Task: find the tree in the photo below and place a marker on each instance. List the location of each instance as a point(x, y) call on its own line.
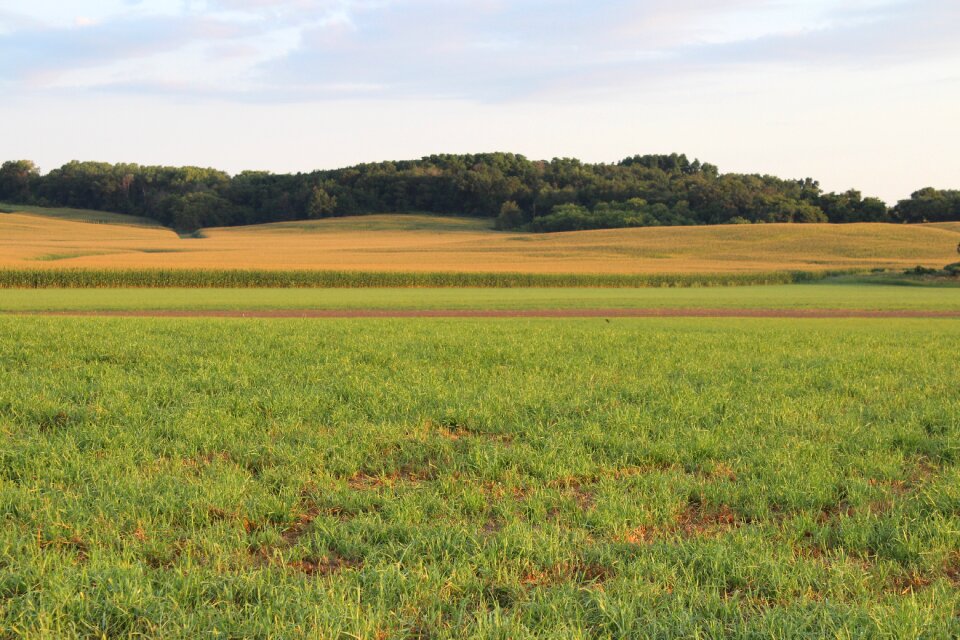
point(511, 216)
point(929, 205)
point(17, 178)
point(197, 210)
point(668, 189)
point(321, 203)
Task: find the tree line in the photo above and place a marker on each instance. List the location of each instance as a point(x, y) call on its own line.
point(557, 195)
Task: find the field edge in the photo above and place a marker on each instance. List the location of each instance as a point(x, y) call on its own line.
point(248, 278)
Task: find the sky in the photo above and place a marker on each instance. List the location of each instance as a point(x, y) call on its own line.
point(855, 93)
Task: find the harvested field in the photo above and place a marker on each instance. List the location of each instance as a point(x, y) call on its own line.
point(411, 243)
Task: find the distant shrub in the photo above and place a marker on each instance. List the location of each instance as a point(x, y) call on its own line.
point(611, 215)
point(921, 271)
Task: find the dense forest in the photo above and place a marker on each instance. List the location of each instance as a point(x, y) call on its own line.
point(558, 195)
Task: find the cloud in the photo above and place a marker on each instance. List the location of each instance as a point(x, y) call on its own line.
point(891, 35)
point(37, 56)
point(481, 50)
point(497, 51)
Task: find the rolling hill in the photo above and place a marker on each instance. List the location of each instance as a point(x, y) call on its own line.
point(39, 238)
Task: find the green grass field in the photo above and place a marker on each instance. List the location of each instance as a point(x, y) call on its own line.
point(383, 222)
point(479, 479)
point(803, 296)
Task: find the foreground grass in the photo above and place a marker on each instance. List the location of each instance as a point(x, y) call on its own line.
point(806, 296)
point(376, 479)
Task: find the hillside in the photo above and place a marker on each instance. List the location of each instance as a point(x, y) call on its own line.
point(80, 215)
point(435, 243)
point(562, 194)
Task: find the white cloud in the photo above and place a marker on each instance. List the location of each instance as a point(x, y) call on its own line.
point(490, 51)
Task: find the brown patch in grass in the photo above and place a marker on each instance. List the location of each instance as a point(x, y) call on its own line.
point(924, 469)
point(78, 546)
point(811, 552)
point(584, 498)
point(343, 513)
point(620, 473)
point(640, 535)
point(325, 566)
point(577, 488)
point(492, 526)
point(897, 487)
point(455, 431)
point(834, 512)
point(419, 631)
point(454, 434)
point(909, 582)
point(722, 471)
point(577, 572)
point(697, 520)
point(364, 481)
point(292, 534)
point(491, 489)
point(879, 507)
point(951, 568)
point(54, 422)
point(155, 560)
point(72, 542)
point(206, 459)
point(216, 514)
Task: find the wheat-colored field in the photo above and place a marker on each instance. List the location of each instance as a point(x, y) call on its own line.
point(431, 243)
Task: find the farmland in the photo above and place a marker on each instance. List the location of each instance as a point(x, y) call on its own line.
point(475, 478)
point(298, 342)
point(829, 295)
point(417, 243)
point(479, 478)
point(80, 215)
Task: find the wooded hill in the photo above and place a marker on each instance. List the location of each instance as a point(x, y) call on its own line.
point(557, 195)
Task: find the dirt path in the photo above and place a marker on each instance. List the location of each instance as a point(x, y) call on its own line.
point(517, 313)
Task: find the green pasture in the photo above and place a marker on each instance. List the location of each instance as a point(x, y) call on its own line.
point(804, 296)
point(479, 478)
point(383, 222)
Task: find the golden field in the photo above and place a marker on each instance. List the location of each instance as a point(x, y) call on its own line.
point(433, 243)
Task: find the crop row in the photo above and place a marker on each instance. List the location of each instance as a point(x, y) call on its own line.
point(223, 278)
